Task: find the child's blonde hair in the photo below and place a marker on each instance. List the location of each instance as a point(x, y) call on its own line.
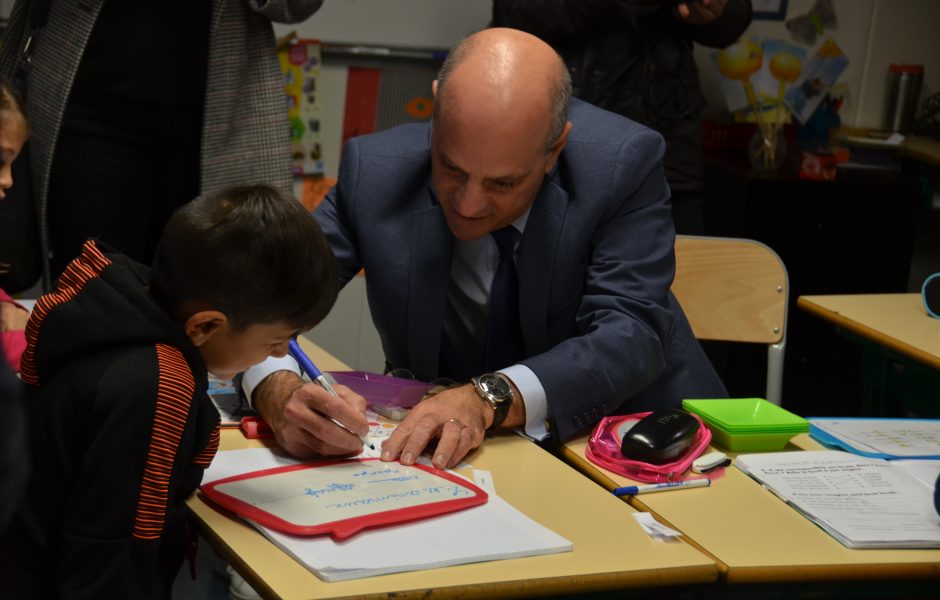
point(11, 105)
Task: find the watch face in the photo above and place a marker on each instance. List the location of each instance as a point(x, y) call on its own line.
point(495, 385)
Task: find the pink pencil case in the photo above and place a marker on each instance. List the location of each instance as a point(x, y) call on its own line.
point(603, 449)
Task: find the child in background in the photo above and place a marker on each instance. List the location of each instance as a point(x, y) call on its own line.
point(13, 133)
point(116, 367)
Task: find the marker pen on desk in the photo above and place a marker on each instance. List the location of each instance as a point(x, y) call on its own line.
point(632, 490)
point(314, 373)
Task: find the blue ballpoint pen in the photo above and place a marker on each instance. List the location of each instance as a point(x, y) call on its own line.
point(632, 490)
point(314, 373)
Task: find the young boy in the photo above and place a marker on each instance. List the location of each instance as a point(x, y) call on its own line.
point(121, 427)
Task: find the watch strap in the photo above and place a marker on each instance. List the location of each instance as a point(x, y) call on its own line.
point(500, 409)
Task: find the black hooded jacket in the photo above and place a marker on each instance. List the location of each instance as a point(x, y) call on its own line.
point(120, 431)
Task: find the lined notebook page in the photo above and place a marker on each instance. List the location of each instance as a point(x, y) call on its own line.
point(493, 531)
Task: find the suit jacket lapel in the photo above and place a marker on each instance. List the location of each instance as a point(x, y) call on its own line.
point(431, 250)
point(536, 263)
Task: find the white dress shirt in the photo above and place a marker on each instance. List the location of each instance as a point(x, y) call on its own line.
point(472, 268)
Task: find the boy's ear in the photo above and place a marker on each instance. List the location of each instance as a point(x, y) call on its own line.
point(203, 325)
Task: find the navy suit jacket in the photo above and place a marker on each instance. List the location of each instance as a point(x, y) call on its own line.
point(602, 331)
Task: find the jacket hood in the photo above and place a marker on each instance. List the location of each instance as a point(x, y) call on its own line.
point(99, 304)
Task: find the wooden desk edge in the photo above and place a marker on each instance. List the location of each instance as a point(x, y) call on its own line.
point(874, 335)
point(571, 584)
point(743, 575)
point(591, 472)
point(833, 573)
point(922, 149)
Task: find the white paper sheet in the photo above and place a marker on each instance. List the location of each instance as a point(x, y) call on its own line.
point(862, 502)
point(893, 437)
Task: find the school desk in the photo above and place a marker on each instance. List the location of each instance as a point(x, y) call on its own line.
point(923, 149)
point(891, 328)
point(610, 550)
point(756, 537)
point(851, 235)
point(898, 322)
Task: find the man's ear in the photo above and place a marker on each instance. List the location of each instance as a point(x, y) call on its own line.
point(203, 325)
point(557, 147)
point(434, 89)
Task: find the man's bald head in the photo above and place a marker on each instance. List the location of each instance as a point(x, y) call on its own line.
point(508, 73)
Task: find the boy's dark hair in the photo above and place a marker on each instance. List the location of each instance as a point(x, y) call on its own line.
point(251, 252)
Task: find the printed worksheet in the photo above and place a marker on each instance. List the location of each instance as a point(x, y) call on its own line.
point(887, 438)
point(863, 502)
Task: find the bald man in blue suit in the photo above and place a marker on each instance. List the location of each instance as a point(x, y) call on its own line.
point(583, 191)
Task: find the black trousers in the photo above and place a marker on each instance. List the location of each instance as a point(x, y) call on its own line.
point(119, 172)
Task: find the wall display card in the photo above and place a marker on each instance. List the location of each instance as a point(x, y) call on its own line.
point(816, 79)
point(342, 498)
point(768, 66)
point(300, 64)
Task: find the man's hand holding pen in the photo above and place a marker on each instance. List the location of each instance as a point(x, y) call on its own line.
point(301, 416)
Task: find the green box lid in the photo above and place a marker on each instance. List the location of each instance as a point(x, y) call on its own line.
point(746, 415)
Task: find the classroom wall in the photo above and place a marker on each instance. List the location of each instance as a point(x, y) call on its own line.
point(872, 33)
point(902, 32)
point(411, 23)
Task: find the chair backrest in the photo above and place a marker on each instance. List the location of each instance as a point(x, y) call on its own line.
point(735, 290)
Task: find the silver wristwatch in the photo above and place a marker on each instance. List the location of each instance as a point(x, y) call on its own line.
point(496, 391)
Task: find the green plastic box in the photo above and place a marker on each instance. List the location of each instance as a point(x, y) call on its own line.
point(747, 424)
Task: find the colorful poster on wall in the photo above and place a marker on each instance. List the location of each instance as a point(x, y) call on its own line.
point(822, 71)
point(755, 75)
point(300, 65)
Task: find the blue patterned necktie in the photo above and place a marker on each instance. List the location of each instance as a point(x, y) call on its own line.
point(504, 345)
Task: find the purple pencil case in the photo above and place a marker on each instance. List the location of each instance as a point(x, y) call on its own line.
point(383, 391)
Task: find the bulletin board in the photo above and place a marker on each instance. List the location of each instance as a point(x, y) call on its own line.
point(336, 91)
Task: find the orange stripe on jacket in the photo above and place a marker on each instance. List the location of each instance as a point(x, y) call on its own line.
point(204, 458)
point(88, 265)
point(175, 390)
